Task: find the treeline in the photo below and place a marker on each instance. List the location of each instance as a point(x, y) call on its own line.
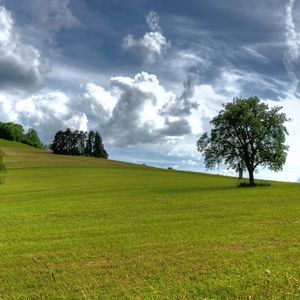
point(77, 142)
point(15, 132)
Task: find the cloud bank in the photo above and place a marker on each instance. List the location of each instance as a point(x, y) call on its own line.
point(292, 54)
point(22, 67)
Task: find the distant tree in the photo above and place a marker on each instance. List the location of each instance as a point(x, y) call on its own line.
point(12, 131)
point(68, 141)
point(81, 144)
point(33, 139)
point(58, 145)
point(99, 150)
point(246, 134)
point(74, 143)
point(78, 143)
point(90, 142)
point(15, 132)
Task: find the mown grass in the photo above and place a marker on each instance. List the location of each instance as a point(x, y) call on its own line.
point(82, 228)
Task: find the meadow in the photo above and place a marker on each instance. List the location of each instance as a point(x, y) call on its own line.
point(88, 228)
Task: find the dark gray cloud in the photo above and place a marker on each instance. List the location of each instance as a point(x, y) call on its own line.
point(182, 106)
point(124, 125)
point(21, 65)
point(19, 75)
point(176, 128)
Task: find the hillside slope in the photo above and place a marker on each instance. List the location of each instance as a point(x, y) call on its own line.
point(19, 155)
point(86, 228)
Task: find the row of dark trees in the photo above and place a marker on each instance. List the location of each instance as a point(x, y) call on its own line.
point(77, 142)
point(15, 132)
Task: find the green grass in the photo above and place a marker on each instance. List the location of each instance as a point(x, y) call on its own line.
point(85, 228)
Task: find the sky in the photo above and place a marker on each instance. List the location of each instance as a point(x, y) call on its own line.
point(148, 75)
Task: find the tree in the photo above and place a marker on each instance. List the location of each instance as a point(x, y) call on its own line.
point(89, 148)
point(58, 144)
point(33, 139)
point(77, 142)
point(12, 131)
point(15, 132)
point(99, 150)
point(244, 135)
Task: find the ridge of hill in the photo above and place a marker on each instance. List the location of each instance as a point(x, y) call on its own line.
point(18, 155)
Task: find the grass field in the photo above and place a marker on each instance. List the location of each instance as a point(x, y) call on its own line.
point(85, 228)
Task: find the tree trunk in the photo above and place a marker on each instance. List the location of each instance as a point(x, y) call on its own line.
point(240, 173)
point(251, 177)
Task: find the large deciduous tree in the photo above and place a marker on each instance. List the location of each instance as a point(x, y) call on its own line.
point(246, 133)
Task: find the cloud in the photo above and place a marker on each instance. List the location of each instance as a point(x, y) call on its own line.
point(233, 82)
point(22, 66)
point(249, 50)
point(176, 128)
point(152, 45)
point(98, 96)
point(153, 21)
point(182, 106)
point(47, 111)
point(131, 109)
point(54, 15)
point(291, 106)
point(127, 112)
point(292, 42)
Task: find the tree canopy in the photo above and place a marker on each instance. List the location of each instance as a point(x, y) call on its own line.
point(15, 132)
point(246, 134)
point(77, 142)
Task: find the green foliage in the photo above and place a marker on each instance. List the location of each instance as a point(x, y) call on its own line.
point(78, 143)
point(90, 143)
point(33, 139)
point(89, 228)
point(99, 150)
point(12, 131)
point(246, 134)
point(15, 132)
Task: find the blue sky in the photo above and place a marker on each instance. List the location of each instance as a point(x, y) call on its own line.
point(149, 75)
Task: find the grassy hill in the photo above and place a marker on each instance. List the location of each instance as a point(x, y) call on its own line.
point(86, 228)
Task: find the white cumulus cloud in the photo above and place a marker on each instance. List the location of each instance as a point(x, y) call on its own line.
point(152, 45)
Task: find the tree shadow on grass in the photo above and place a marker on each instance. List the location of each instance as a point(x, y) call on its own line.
point(257, 184)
